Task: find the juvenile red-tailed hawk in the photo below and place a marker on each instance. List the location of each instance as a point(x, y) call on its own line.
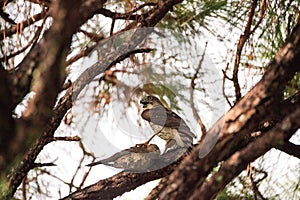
point(165, 123)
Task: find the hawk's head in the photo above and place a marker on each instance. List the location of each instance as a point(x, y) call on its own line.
point(149, 101)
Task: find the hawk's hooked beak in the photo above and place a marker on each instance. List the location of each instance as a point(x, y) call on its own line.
point(144, 103)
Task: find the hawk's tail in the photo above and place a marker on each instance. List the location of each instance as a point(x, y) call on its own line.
point(186, 135)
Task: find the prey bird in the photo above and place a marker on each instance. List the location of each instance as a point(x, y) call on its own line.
point(137, 158)
point(166, 124)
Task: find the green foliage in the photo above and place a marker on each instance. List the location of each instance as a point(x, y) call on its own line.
point(189, 16)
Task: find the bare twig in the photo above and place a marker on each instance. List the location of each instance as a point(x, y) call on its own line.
point(255, 183)
point(30, 43)
point(58, 178)
point(24, 191)
point(192, 88)
point(129, 15)
point(86, 174)
point(67, 138)
point(95, 37)
point(223, 84)
point(243, 38)
point(25, 23)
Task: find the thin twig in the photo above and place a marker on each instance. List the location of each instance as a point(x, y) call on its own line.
point(192, 88)
point(129, 15)
point(243, 38)
point(6, 33)
point(223, 84)
point(44, 164)
point(255, 189)
point(67, 138)
point(30, 43)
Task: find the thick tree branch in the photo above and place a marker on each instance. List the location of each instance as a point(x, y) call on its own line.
point(7, 125)
point(119, 184)
point(154, 194)
point(289, 148)
point(126, 181)
point(53, 51)
point(239, 160)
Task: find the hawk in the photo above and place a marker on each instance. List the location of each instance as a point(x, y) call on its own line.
point(137, 158)
point(166, 124)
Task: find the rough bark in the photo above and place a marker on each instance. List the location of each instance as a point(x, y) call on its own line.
point(238, 161)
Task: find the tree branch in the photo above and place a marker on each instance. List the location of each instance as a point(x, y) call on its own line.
point(192, 88)
point(126, 181)
point(243, 38)
point(289, 148)
point(239, 160)
point(128, 15)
